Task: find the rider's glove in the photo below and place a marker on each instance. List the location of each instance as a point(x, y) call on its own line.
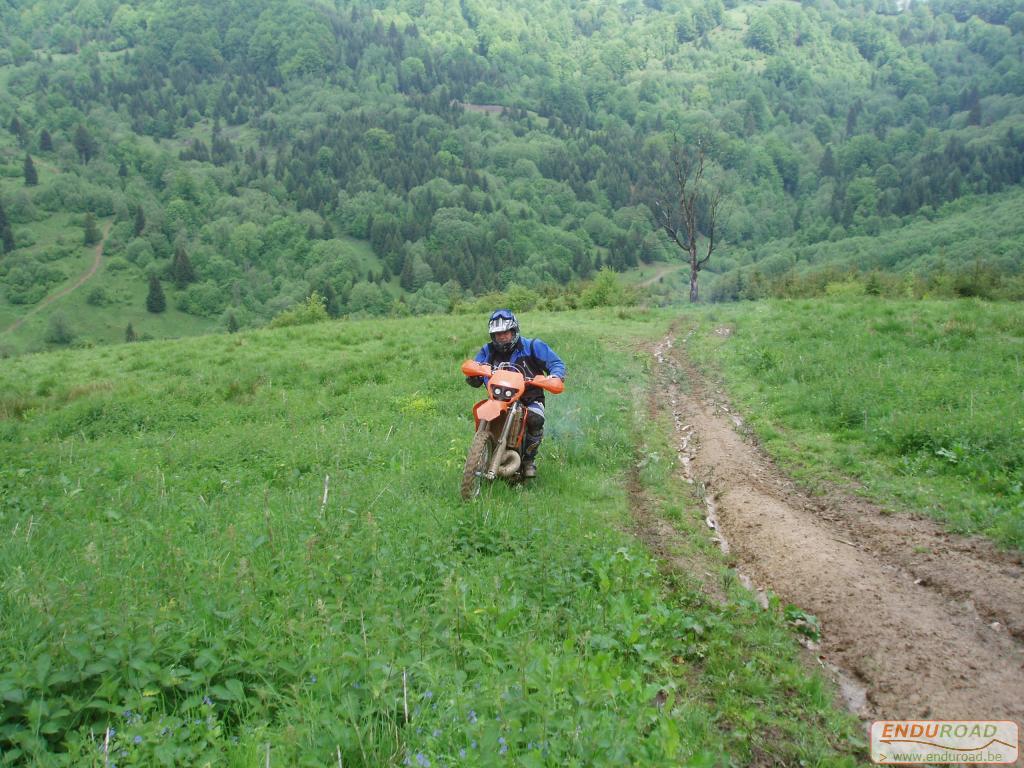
point(475, 381)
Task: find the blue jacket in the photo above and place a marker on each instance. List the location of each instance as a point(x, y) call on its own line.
point(533, 355)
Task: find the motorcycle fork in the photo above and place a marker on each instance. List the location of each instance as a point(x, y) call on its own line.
point(502, 443)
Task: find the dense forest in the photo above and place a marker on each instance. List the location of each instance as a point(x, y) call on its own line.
point(403, 155)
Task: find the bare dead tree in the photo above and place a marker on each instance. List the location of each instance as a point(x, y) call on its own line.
point(688, 205)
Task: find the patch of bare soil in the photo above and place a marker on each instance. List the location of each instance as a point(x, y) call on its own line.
point(930, 623)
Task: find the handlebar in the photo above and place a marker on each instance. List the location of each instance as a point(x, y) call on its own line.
point(552, 384)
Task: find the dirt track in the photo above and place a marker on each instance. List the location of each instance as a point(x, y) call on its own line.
point(97, 259)
point(931, 624)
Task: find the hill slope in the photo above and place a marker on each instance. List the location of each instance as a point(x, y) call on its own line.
point(260, 139)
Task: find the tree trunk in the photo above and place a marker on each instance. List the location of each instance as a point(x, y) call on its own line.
point(694, 269)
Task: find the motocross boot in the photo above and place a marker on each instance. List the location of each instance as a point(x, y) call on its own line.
point(534, 435)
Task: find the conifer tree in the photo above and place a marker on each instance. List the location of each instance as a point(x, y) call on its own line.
point(45, 141)
point(140, 220)
point(827, 167)
point(18, 130)
point(232, 323)
point(92, 233)
point(6, 235)
point(31, 177)
point(406, 278)
point(181, 268)
point(129, 334)
point(156, 302)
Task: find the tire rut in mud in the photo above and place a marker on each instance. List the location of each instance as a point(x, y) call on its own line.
point(928, 622)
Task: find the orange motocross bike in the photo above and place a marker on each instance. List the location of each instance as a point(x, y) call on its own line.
point(500, 420)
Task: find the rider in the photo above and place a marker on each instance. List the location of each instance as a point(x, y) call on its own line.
point(531, 356)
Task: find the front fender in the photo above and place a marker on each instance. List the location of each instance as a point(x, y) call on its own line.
point(489, 410)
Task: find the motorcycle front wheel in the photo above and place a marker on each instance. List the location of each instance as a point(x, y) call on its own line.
point(479, 456)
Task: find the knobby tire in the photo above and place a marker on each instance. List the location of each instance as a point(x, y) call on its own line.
point(480, 452)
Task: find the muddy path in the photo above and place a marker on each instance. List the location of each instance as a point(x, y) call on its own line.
point(929, 623)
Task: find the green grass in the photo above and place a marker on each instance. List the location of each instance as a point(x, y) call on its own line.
point(921, 402)
point(167, 569)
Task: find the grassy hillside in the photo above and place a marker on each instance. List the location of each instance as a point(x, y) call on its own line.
point(170, 571)
point(966, 248)
point(920, 401)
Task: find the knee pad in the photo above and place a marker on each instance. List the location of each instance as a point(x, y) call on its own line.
point(534, 422)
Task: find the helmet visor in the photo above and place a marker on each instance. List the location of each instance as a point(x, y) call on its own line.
point(501, 323)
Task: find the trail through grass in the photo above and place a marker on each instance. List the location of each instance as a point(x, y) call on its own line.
point(921, 402)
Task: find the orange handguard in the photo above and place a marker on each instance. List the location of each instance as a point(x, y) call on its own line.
point(551, 384)
point(473, 368)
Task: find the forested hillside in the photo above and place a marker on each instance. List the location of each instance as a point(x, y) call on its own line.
point(395, 156)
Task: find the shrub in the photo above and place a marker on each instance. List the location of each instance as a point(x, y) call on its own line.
point(606, 291)
point(314, 310)
point(97, 297)
point(59, 331)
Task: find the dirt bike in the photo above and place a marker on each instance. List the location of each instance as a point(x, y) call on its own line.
point(500, 423)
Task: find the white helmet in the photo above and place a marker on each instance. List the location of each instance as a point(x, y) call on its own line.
point(502, 320)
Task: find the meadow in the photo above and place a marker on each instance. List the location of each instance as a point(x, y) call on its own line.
point(176, 590)
point(920, 402)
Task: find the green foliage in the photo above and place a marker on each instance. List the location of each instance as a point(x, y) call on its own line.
point(182, 272)
point(27, 279)
point(313, 310)
point(97, 296)
point(606, 291)
point(30, 173)
point(966, 249)
point(91, 233)
point(205, 299)
point(156, 301)
point(59, 331)
point(6, 233)
point(476, 154)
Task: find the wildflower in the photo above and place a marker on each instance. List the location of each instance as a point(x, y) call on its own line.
point(436, 733)
point(504, 746)
point(137, 739)
point(472, 716)
point(127, 714)
point(473, 744)
point(312, 678)
point(428, 694)
point(462, 752)
point(207, 701)
point(422, 760)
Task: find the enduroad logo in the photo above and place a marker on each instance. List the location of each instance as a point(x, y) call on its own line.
point(944, 741)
